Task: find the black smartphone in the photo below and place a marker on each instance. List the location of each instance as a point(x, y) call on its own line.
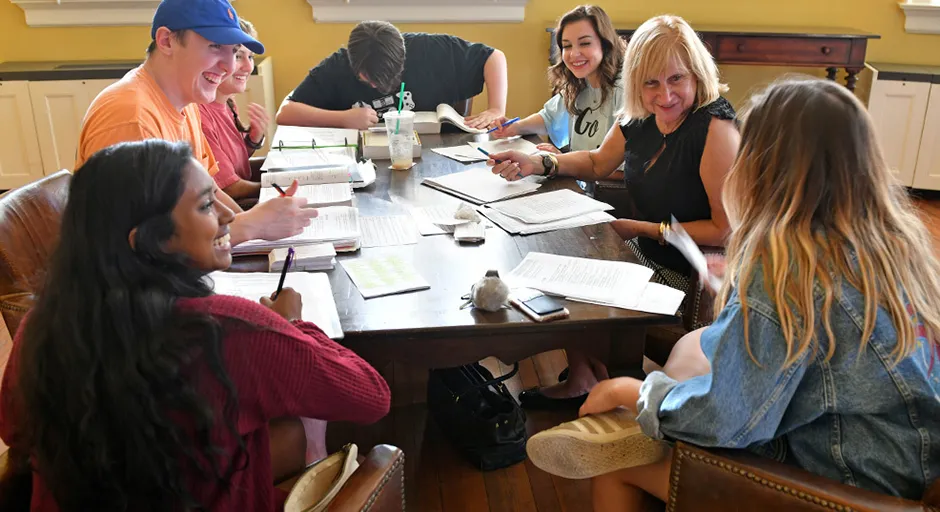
point(538, 306)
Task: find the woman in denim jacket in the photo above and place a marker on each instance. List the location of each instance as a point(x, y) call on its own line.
point(822, 236)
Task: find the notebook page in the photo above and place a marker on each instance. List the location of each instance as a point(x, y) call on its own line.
point(338, 174)
point(387, 230)
point(447, 113)
point(327, 193)
point(549, 206)
point(510, 144)
point(318, 304)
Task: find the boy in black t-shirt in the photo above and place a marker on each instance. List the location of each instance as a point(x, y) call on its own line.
point(356, 85)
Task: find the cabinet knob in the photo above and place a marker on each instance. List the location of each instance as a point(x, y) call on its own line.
point(740, 47)
point(826, 50)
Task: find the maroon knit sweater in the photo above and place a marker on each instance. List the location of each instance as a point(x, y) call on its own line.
point(279, 369)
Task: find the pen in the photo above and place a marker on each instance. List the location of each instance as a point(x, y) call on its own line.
point(287, 262)
point(279, 189)
point(507, 123)
point(485, 152)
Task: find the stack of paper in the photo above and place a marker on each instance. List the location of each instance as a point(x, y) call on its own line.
point(479, 185)
point(326, 194)
point(610, 283)
point(537, 213)
point(338, 225)
point(360, 174)
point(307, 258)
point(319, 306)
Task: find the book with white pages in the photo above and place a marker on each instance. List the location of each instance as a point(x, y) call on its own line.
point(319, 307)
point(317, 196)
point(430, 122)
point(581, 278)
point(479, 185)
point(549, 206)
point(359, 174)
point(517, 227)
point(338, 225)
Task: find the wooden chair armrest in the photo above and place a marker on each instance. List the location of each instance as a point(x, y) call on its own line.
point(712, 480)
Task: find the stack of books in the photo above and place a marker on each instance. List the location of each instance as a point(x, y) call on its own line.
point(337, 225)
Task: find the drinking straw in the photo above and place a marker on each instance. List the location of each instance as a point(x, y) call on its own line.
point(401, 100)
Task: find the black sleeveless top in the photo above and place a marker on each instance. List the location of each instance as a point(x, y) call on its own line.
point(673, 185)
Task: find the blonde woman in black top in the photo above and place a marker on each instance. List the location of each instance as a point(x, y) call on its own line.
point(677, 139)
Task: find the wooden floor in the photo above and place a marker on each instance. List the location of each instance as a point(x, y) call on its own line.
point(438, 480)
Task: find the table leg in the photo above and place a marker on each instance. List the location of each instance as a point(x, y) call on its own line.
point(851, 78)
point(626, 348)
point(831, 73)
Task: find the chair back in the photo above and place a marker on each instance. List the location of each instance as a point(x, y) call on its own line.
point(30, 218)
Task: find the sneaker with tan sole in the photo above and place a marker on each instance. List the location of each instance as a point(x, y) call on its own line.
point(594, 445)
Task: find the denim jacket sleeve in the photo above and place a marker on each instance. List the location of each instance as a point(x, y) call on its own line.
point(738, 404)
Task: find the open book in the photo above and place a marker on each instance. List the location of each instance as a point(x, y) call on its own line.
point(338, 225)
point(430, 122)
point(320, 195)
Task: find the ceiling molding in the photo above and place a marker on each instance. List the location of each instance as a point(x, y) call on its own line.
point(419, 11)
point(87, 13)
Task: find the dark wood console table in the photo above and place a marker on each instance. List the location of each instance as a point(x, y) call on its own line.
point(829, 48)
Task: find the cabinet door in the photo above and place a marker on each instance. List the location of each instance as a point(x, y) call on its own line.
point(898, 110)
point(927, 173)
point(20, 160)
point(58, 108)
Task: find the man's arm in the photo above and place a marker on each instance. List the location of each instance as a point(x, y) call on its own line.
point(243, 189)
point(294, 113)
point(495, 76)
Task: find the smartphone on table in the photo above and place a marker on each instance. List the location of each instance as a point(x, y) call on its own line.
point(538, 306)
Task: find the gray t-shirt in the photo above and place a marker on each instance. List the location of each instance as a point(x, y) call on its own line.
point(586, 131)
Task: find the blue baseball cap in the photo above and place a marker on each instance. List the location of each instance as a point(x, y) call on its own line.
point(215, 20)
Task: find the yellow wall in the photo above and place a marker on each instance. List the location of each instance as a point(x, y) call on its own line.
point(297, 43)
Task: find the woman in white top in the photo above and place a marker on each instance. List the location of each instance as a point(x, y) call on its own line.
point(588, 90)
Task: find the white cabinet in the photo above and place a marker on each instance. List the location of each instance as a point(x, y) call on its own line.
point(42, 120)
point(58, 109)
point(905, 108)
point(20, 160)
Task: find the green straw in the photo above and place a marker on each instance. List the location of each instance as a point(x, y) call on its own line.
point(401, 100)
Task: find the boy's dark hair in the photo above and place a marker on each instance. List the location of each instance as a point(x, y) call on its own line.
point(180, 36)
point(377, 50)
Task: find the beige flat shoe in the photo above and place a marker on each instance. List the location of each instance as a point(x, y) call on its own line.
point(322, 481)
point(594, 445)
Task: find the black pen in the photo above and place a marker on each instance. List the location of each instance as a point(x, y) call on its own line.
point(287, 262)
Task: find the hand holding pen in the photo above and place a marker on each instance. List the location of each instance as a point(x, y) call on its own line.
point(285, 301)
point(505, 128)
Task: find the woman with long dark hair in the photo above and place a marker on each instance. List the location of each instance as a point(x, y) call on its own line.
point(131, 386)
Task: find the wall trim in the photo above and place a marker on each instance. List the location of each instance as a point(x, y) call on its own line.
point(921, 16)
point(419, 11)
point(88, 13)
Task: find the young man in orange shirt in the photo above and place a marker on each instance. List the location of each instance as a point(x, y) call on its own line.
point(193, 49)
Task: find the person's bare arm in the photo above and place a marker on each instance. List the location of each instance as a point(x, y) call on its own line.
point(721, 147)
point(243, 189)
point(293, 113)
point(591, 165)
point(496, 78)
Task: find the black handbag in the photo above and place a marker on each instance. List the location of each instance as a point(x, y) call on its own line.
point(478, 415)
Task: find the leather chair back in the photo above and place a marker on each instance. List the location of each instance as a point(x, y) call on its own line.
point(30, 218)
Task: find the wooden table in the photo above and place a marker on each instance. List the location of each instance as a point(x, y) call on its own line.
point(428, 329)
point(829, 48)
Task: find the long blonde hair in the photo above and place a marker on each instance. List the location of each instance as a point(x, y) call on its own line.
point(811, 200)
point(651, 47)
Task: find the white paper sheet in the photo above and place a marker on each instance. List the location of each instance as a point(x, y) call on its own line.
point(387, 230)
point(463, 154)
point(549, 206)
point(479, 185)
point(656, 298)
point(678, 238)
point(514, 227)
point(383, 275)
point(303, 159)
point(336, 174)
point(582, 278)
point(323, 194)
point(508, 144)
point(304, 135)
point(319, 306)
